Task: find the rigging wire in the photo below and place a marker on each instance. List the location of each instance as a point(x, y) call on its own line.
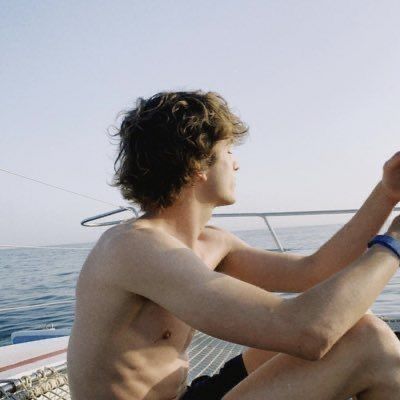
point(59, 188)
point(15, 246)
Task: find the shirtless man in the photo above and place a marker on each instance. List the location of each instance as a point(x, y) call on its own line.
point(149, 283)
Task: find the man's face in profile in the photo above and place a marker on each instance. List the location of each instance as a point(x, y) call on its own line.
point(221, 176)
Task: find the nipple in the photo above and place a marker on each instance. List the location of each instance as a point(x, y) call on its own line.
point(166, 335)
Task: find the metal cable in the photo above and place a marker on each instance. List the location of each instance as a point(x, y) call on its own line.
point(58, 187)
point(12, 246)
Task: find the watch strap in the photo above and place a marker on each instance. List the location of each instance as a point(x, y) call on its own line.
point(387, 241)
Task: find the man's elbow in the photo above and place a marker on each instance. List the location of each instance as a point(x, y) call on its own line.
point(320, 343)
point(313, 346)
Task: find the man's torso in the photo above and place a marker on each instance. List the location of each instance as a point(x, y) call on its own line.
point(123, 345)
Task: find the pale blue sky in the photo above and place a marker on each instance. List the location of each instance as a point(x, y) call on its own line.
point(317, 82)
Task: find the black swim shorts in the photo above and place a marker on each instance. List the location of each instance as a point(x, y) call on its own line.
point(214, 387)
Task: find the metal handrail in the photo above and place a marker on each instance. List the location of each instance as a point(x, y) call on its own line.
point(263, 215)
point(118, 210)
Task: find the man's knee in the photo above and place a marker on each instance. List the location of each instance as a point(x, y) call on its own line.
point(380, 346)
point(378, 351)
point(371, 328)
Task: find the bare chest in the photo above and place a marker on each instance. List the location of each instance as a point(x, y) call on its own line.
point(138, 320)
point(162, 326)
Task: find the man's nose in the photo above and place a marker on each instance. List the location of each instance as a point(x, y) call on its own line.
point(236, 165)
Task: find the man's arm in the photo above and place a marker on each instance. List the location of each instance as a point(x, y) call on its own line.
point(287, 272)
point(335, 305)
point(350, 241)
point(277, 272)
point(295, 273)
point(272, 271)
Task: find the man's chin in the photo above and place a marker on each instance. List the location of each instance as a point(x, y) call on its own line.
point(227, 202)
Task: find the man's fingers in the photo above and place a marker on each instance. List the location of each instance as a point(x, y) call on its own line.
point(393, 161)
point(396, 156)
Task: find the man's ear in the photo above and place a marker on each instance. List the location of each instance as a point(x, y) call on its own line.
point(203, 175)
point(200, 176)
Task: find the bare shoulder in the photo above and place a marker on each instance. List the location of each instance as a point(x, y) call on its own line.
point(124, 247)
point(228, 238)
point(216, 232)
point(131, 257)
point(126, 243)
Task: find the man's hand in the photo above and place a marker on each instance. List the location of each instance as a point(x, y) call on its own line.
point(391, 177)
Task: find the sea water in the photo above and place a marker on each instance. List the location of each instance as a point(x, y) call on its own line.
point(31, 276)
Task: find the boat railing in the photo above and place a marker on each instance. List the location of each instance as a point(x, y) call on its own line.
point(263, 215)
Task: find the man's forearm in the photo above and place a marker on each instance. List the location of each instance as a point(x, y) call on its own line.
point(351, 240)
point(328, 310)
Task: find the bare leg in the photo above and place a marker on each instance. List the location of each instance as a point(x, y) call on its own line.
point(365, 361)
point(254, 358)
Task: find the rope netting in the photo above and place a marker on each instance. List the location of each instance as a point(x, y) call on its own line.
point(46, 383)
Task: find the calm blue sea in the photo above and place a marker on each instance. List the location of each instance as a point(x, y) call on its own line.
point(36, 276)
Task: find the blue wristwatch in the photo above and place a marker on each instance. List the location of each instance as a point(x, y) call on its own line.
point(388, 242)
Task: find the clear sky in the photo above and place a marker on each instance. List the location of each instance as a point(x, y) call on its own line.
point(318, 83)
